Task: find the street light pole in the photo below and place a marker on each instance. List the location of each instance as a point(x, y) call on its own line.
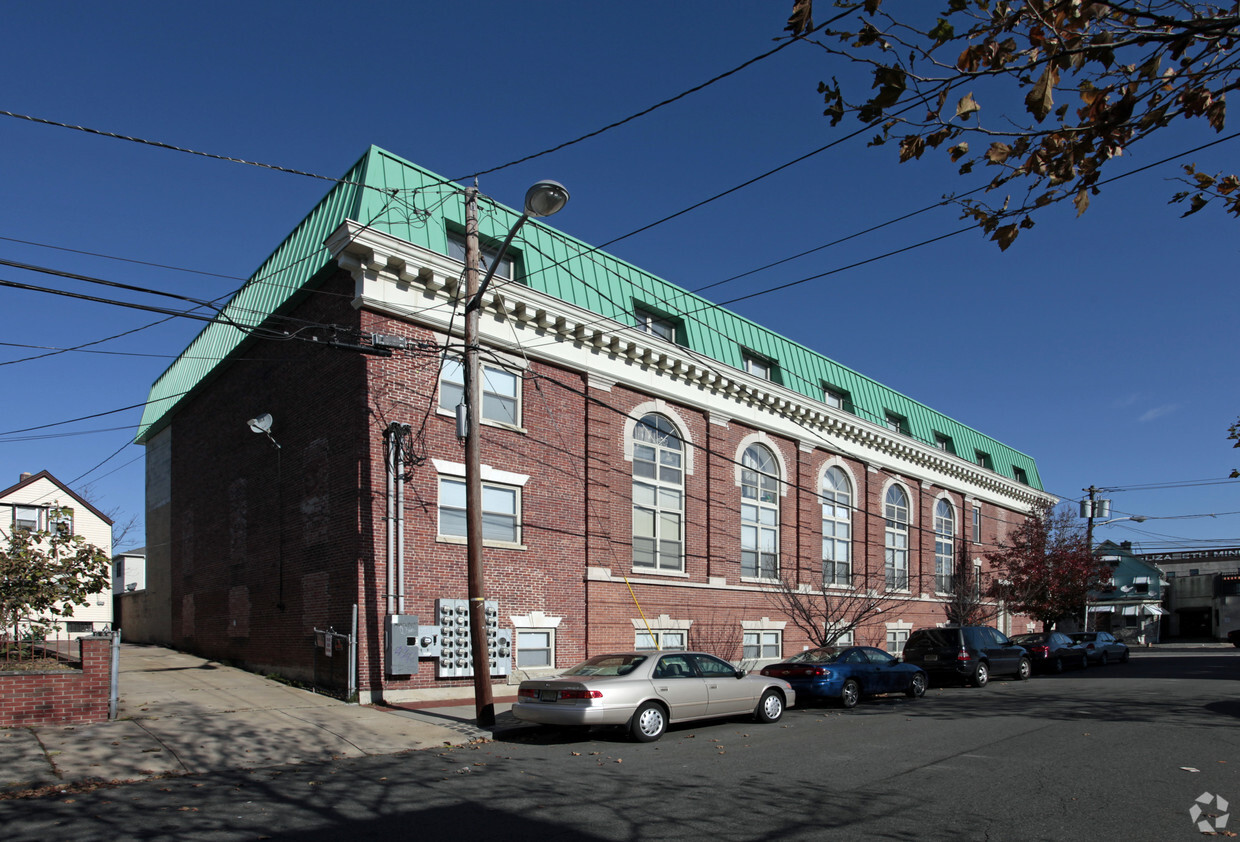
point(543, 199)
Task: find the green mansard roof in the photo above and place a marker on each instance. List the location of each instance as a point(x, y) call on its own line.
point(391, 195)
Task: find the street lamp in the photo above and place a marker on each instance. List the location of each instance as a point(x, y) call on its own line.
point(542, 199)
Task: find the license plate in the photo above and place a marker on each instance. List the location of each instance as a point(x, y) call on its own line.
point(932, 657)
point(548, 695)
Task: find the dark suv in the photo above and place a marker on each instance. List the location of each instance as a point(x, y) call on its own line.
point(966, 653)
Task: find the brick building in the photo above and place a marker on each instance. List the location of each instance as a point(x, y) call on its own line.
point(651, 468)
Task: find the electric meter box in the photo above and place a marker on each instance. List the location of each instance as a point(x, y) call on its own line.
point(455, 656)
point(402, 644)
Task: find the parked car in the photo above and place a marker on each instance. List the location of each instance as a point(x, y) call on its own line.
point(966, 653)
point(1103, 647)
point(1052, 651)
point(848, 674)
point(1234, 637)
point(645, 691)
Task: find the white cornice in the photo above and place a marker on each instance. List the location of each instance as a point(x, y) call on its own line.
point(409, 282)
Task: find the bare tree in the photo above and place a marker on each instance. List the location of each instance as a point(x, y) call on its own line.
point(826, 614)
point(968, 605)
point(719, 635)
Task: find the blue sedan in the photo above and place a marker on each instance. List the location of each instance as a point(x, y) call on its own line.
point(848, 674)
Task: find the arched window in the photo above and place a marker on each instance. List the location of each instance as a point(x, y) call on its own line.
point(658, 495)
point(895, 511)
point(836, 528)
point(759, 513)
point(944, 545)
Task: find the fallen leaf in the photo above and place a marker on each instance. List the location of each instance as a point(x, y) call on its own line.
point(1189, 769)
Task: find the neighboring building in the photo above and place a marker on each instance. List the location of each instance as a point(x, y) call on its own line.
point(35, 503)
point(651, 464)
point(1196, 562)
point(1205, 605)
point(1129, 605)
point(130, 599)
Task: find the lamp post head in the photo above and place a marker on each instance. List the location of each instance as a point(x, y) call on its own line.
point(545, 198)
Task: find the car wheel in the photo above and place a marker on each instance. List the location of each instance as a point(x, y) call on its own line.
point(1024, 670)
point(1084, 660)
point(916, 687)
point(648, 723)
point(770, 707)
point(1102, 662)
point(981, 676)
point(851, 693)
point(1123, 659)
point(1058, 664)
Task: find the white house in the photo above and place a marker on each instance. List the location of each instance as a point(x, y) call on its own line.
point(31, 504)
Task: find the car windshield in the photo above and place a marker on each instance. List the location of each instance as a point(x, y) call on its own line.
point(607, 665)
point(821, 655)
point(1084, 636)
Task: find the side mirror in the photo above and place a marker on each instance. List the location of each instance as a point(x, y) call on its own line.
point(741, 673)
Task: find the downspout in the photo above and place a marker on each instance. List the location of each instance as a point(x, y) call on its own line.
point(388, 470)
point(398, 478)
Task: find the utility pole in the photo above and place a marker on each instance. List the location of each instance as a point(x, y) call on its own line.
point(1089, 548)
point(484, 703)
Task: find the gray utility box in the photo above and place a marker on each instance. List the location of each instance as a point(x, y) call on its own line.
point(402, 644)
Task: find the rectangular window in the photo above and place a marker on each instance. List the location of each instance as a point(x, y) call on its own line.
point(1020, 475)
point(977, 525)
point(896, 423)
point(845, 639)
point(983, 459)
point(896, 638)
point(762, 644)
point(659, 639)
point(837, 398)
point(501, 506)
point(535, 648)
point(660, 326)
point(26, 517)
point(501, 392)
point(456, 250)
point(79, 627)
point(60, 520)
point(759, 366)
point(944, 443)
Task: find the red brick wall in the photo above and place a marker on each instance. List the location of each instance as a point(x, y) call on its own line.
point(60, 698)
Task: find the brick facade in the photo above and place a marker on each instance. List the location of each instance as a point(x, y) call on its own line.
point(270, 543)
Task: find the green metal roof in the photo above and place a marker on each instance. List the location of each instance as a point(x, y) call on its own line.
point(392, 195)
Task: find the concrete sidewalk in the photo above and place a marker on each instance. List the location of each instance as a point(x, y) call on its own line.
point(180, 714)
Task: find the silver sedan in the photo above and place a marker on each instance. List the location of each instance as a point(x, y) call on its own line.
point(645, 691)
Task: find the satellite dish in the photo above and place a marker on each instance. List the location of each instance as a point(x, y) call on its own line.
point(261, 424)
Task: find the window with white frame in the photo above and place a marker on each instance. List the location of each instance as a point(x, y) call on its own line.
point(535, 648)
point(660, 326)
point(847, 638)
point(944, 545)
point(896, 638)
point(658, 495)
point(27, 517)
point(659, 639)
point(837, 398)
point(944, 442)
point(759, 513)
point(977, 525)
point(836, 528)
point(60, 519)
point(759, 366)
point(895, 533)
point(456, 250)
point(501, 508)
point(501, 392)
point(896, 423)
point(762, 644)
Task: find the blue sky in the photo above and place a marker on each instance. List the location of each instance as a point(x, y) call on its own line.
point(1102, 346)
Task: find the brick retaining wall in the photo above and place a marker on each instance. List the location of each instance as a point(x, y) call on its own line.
point(60, 698)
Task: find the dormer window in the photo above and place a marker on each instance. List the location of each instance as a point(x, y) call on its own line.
point(983, 459)
point(837, 398)
point(652, 323)
point(759, 366)
point(1020, 475)
point(896, 423)
point(456, 250)
point(944, 443)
